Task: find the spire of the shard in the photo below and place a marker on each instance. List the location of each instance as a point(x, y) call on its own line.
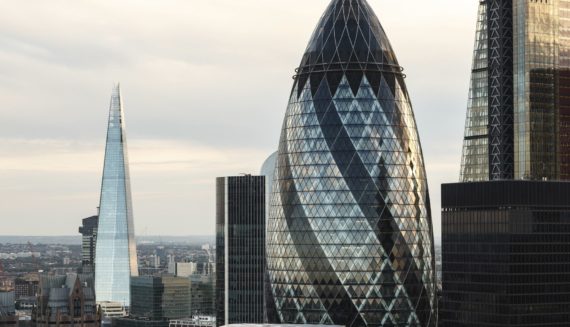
point(115, 256)
point(350, 239)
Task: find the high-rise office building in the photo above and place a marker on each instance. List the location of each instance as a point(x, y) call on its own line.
point(518, 115)
point(350, 239)
point(159, 298)
point(240, 249)
point(116, 253)
point(88, 231)
point(505, 233)
point(506, 248)
point(156, 300)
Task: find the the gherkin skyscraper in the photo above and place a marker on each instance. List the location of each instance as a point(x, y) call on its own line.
point(116, 253)
point(350, 239)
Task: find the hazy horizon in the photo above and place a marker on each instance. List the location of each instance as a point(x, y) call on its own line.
point(76, 239)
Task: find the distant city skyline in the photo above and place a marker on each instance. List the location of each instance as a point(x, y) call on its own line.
point(193, 114)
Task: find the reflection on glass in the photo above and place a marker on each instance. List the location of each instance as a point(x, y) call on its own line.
point(541, 93)
point(116, 255)
point(475, 160)
point(350, 234)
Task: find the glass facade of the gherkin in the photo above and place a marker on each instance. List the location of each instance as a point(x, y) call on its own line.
point(116, 253)
point(350, 239)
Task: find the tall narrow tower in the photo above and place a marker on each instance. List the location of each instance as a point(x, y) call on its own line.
point(116, 254)
point(349, 237)
point(518, 116)
point(475, 159)
point(240, 249)
point(505, 234)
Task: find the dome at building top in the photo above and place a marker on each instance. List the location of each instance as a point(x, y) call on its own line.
point(348, 39)
point(349, 31)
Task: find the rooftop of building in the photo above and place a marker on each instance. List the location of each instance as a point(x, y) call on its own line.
point(506, 194)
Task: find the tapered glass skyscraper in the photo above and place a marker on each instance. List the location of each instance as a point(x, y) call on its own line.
point(518, 115)
point(350, 238)
point(116, 254)
point(475, 160)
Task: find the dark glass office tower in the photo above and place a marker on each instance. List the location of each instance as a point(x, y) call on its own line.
point(116, 252)
point(240, 249)
point(159, 298)
point(88, 232)
point(350, 237)
point(506, 253)
point(156, 300)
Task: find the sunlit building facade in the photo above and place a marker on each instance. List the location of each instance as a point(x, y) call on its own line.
point(505, 227)
point(116, 254)
point(350, 238)
point(518, 115)
point(475, 160)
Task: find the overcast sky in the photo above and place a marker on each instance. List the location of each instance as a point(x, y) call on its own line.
point(205, 85)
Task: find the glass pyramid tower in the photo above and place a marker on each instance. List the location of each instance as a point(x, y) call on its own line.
point(116, 253)
point(350, 239)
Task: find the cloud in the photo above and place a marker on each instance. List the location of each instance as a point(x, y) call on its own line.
point(205, 83)
point(173, 181)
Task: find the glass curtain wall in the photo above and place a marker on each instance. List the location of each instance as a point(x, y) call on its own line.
point(116, 254)
point(475, 159)
point(350, 238)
